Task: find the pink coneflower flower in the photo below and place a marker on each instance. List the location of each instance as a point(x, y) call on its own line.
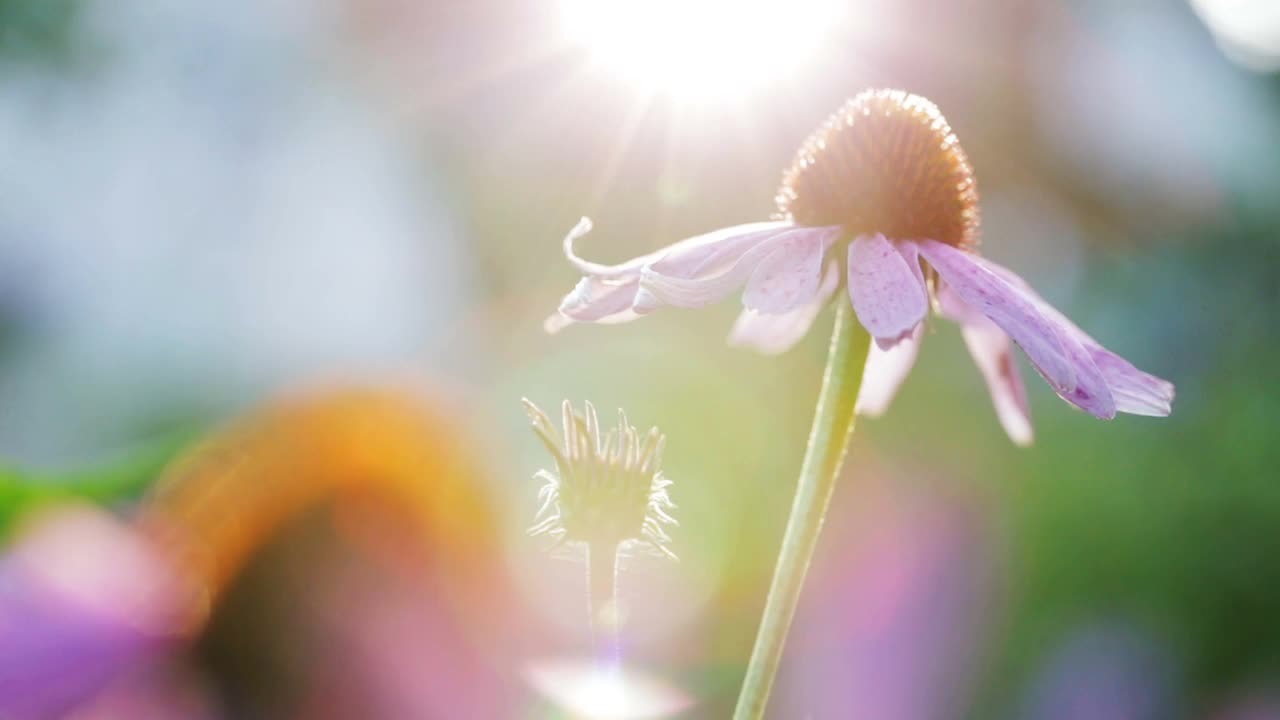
point(883, 189)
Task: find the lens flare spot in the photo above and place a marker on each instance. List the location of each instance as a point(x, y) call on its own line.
point(589, 691)
point(700, 50)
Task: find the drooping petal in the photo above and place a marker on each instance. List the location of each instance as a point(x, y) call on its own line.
point(1135, 392)
point(1071, 371)
point(788, 278)
point(715, 251)
point(775, 334)
point(1059, 358)
point(674, 280)
point(608, 293)
point(888, 297)
point(993, 354)
point(595, 300)
point(884, 372)
point(689, 252)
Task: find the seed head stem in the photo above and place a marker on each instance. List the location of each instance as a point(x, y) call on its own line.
point(602, 581)
point(828, 440)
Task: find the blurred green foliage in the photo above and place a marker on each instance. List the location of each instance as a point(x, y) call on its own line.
point(37, 30)
point(120, 480)
point(1168, 526)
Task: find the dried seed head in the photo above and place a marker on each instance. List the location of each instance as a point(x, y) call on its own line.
point(608, 488)
point(886, 162)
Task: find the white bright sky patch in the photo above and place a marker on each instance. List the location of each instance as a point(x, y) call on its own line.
point(1247, 30)
point(595, 694)
point(700, 50)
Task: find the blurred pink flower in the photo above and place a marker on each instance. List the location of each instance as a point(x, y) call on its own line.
point(900, 604)
point(1105, 670)
point(885, 183)
point(363, 502)
point(1258, 704)
point(83, 600)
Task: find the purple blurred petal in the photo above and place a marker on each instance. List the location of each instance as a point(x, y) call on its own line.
point(166, 693)
point(895, 610)
point(888, 296)
point(993, 354)
point(1254, 705)
point(1101, 672)
point(82, 601)
point(884, 373)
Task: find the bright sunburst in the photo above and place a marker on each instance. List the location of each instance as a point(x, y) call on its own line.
point(700, 50)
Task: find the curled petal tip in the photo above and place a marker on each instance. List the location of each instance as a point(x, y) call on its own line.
point(582, 228)
point(555, 323)
point(586, 266)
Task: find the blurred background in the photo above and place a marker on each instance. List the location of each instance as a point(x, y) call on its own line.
point(204, 206)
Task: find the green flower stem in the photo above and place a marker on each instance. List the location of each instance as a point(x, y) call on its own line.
point(120, 480)
point(828, 441)
point(602, 580)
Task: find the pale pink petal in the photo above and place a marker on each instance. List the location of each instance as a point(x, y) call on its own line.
point(674, 280)
point(690, 252)
point(911, 254)
point(993, 354)
point(716, 251)
point(595, 300)
point(788, 278)
point(884, 373)
point(1135, 392)
point(608, 292)
point(888, 296)
point(1062, 362)
point(775, 334)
